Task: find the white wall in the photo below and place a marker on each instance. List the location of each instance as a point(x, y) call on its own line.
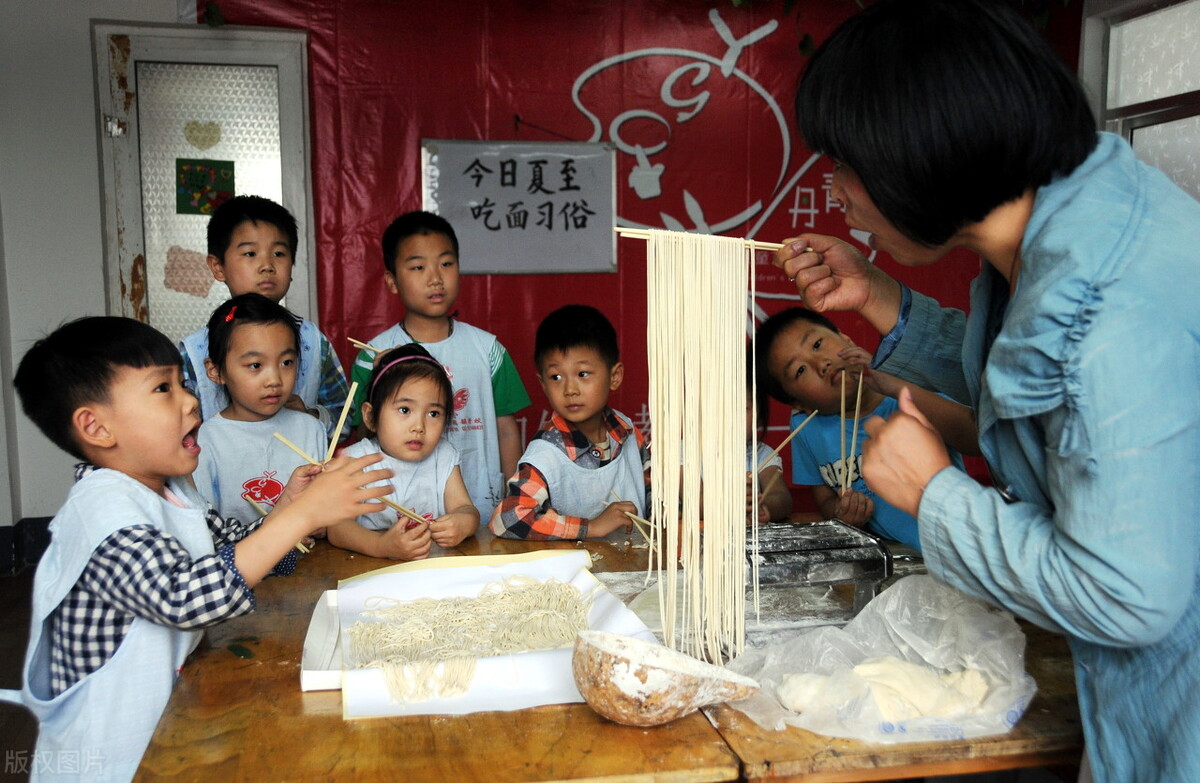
point(51, 248)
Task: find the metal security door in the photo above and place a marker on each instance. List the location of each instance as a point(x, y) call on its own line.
point(189, 116)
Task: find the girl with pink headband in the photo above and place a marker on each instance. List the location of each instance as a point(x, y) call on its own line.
point(409, 400)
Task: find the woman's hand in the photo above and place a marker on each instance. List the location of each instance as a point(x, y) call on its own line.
point(902, 454)
point(831, 274)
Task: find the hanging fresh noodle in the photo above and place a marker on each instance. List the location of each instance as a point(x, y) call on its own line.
point(428, 646)
point(696, 355)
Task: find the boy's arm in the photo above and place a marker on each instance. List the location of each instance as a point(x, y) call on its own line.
point(526, 512)
point(143, 571)
point(954, 421)
point(511, 448)
point(778, 501)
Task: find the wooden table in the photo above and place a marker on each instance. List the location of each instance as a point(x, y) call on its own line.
point(237, 713)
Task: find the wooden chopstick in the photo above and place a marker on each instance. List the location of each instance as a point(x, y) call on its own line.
point(639, 523)
point(385, 501)
point(644, 233)
point(363, 346)
point(842, 432)
point(786, 440)
point(854, 430)
point(337, 431)
point(263, 512)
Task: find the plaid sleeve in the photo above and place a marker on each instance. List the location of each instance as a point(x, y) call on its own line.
point(189, 374)
point(228, 531)
point(142, 571)
point(333, 391)
point(526, 512)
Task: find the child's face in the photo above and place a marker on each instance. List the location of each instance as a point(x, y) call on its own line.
point(410, 424)
point(259, 371)
point(257, 261)
point(804, 359)
point(577, 383)
point(426, 277)
point(149, 425)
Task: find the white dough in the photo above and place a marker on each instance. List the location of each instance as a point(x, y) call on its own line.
point(800, 692)
point(901, 690)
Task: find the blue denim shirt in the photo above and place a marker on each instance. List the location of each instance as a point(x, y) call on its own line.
point(1086, 387)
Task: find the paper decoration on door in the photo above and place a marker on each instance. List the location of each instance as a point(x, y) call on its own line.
point(524, 207)
point(187, 272)
point(202, 185)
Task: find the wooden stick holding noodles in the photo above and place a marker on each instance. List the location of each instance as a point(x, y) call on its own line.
point(854, 437)
point(389, 503)
point(337, 431)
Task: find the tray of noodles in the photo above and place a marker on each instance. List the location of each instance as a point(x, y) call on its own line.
point(456, 635)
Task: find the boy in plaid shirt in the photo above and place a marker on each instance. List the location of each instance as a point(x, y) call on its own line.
point(587, 452)
point(138, 563)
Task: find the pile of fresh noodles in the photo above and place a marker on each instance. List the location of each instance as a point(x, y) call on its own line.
point(428, 646)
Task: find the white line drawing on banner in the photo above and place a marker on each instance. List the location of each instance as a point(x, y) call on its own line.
point(645, 178)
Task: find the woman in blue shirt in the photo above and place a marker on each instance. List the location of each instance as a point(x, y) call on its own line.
point(954, 125)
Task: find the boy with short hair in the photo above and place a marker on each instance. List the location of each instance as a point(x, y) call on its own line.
point(801, 358)
point(138, 563)
point(420, 258)
point(252, 245)
point(587, 452)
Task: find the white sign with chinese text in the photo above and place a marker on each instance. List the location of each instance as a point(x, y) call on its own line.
point(525, 207)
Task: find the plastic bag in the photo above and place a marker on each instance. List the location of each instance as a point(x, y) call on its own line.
point(918, 620)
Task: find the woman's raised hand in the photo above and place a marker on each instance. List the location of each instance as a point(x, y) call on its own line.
point(831, 274)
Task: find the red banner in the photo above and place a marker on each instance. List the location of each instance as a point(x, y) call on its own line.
point(696, 97)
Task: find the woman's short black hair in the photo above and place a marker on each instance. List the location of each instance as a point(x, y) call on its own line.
point(945, 109)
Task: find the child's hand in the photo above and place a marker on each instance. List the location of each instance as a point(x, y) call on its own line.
point(764, 513)
point(611, 518)
point(295, 403)
point(339, 491)
point(301, 477)
point(882, 382)
point(451, 529)
point(854, 508)
point(401, 542)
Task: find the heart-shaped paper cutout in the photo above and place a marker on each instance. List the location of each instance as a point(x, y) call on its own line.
point(202, 135)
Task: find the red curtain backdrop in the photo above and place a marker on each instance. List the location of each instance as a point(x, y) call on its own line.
point(702, 90)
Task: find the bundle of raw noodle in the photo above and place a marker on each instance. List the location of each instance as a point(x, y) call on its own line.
point(696, 350)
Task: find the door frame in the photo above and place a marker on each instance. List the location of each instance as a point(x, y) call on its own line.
point(116, 49)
